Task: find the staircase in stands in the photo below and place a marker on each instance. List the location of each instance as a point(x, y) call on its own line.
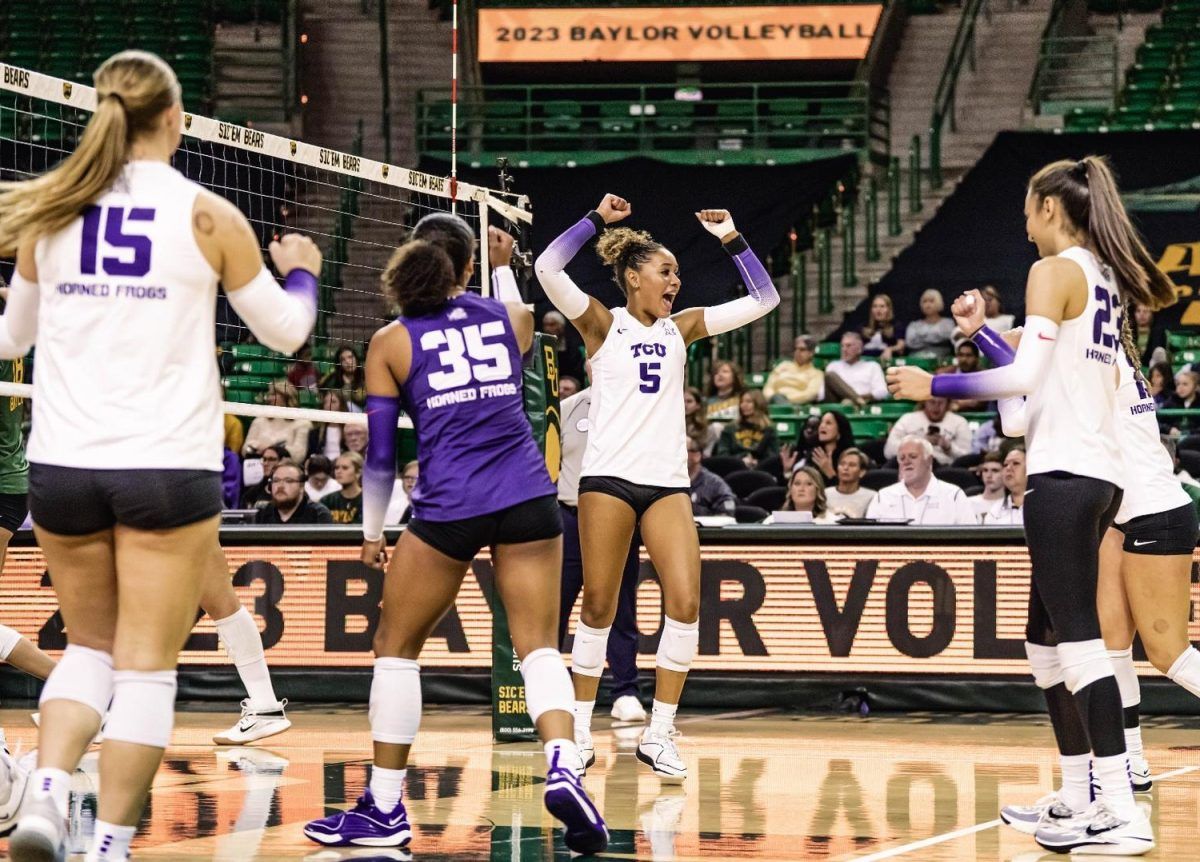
point(248, 85)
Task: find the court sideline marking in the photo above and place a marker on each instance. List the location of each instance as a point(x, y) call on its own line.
point(979, 827)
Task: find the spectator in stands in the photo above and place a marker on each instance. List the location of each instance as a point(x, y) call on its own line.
point(303, 372)
point(259, 494)
point(1160, 379)
point(991, 475)
point(1148, 337)
point(987, 437)
point(348, 379)
point(725, 388)
point(822, 449)
point(265, 431)
point(796, 380)
point(946, 431)
point(345, 504)
point(1185, 478)
point(570, 357)
point(852, 379)
point(696, 422)
point(752, 437)
point(710, 494)
point(326, 437)
point(848, 498)
point(806, 493)
point(1007, 510)
point(320, 483)
point(1185, 397)
point(966, 360)
point(919, 496)
point(231, 479)
point(354, 437)
point(930, 336)
point(567, 386)
point(399, 509)
point(881, 336)
point(289, 504)
point(235, 433)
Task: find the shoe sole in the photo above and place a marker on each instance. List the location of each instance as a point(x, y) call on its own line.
point(34, 847)
point(229, 740)
point(1144, 787)
point(339, 841)
point(667, 777)
point(584, 841)
point(1124, 847)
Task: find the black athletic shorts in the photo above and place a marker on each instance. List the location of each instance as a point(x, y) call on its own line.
point(1162, 533)
point(532, 521)
point(73, 501)
point(13, 509)
point(637, 497)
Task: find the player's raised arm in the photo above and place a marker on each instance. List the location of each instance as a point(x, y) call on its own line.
point(586, 313)
point(697, 323)
point(18, 324)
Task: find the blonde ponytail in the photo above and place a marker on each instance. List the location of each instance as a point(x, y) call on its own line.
point(133, 88)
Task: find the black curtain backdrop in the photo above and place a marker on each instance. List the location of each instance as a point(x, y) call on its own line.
point(978, 236)
point(765, 201)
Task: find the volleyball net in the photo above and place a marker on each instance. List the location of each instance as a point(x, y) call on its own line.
point(357, 211)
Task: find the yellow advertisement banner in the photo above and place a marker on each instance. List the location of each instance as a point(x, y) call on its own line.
point(676, 33)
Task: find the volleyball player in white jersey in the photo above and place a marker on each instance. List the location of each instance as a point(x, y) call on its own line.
point(635, 465)
point(1092, 264)
point(118, 260)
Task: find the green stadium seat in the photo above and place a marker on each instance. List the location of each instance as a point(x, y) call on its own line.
point(922, 362)
point(1186, 357)
point(756, 379)
point(782, 411)
point(616, 126)
point(787, 430)
point(890, 409)
point(868, 427)
point(829, 349)
point(1180, 339)
point(736, 117)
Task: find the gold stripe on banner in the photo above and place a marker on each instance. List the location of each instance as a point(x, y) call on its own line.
point(832, 608)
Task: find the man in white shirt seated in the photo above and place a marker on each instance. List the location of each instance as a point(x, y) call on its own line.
point(853, 379)
point(947, 432)
point(919, 496)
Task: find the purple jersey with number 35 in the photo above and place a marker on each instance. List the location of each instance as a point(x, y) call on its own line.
point(464, 394)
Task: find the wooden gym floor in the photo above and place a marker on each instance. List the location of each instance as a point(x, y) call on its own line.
point(762, 785)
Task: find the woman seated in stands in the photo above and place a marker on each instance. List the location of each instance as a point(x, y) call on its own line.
point(1007, 510)
point(848, 498)
point(823, 449)
point(345, 504)
point(347, 378)
point(806, 493)
point(931, 335)
point(266, 431)
point(752, 437)
point(881, 336)
point(1161, 381)
point(725, 388)
point(1146, 335)
point(696, 421)
point(1185, 397)
point(318, 468)
point(326, 437)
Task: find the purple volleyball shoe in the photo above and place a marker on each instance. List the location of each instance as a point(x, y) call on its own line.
point(364, 825)
point(566, 799)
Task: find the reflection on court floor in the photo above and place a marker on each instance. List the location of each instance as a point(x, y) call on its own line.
point(764, 786)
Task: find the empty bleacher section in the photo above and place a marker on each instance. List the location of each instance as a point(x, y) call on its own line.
point(70, 38)
point(254, 64)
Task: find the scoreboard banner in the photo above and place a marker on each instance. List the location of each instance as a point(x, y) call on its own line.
point(802, 607)
point(676, 33)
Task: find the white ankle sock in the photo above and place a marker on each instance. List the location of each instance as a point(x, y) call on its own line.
point(1186, 670)
point(387, 786)
point(111, 842)
point(1133, 741)
point(567, 753)
point(662, 717)
point(1112, 774)
point(1076, 792)
point(54, 783)
point(583, 714)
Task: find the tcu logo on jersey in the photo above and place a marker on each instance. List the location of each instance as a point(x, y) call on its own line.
point(648, 350)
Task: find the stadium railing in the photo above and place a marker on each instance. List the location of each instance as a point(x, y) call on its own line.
point(962, 50)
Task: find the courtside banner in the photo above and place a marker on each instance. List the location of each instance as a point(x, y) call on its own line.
point(676, 33)
point(812, 607)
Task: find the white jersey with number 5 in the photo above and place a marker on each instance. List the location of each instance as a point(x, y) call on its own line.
point(126, 371)
point(1072, 412)
point(1149, 476)
point(636, 420)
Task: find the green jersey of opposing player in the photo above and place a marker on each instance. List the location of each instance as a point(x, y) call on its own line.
point(14, 469)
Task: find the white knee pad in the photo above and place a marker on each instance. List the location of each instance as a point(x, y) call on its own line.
point(9, 638)
point(83, 675)
point(1083, 663)
point(143, 707)
point(395, 710)
point(678, 645)
point(1126, 674)
point(547, 683)
point(239, 635)
point(588, 650)
point(1043, 660)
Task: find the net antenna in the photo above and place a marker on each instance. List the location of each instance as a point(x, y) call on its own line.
point(356, 209)
point(454, 115)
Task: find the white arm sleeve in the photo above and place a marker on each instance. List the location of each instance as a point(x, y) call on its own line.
point(18, 324)
point(504, 285)
point(1034, 356)
point(1012, 416)
point(278, 319)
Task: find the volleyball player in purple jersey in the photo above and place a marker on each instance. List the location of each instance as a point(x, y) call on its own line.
point(453, 359)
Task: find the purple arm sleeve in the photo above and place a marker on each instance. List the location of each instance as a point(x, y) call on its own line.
point(754, 274)
point(995, 348)
point(379, 473)
point(302, 284)
point(568, 243)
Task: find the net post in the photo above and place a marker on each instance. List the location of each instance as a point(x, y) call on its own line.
point(485, 263)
